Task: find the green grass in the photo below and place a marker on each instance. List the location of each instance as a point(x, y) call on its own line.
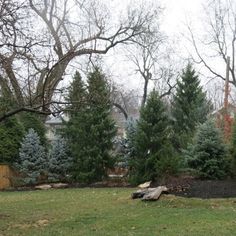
point(111, 212)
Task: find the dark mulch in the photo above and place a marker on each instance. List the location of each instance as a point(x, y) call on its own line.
point(185, 186)
point(189, 187)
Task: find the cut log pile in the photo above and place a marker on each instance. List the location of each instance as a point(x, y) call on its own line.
point(149, 194)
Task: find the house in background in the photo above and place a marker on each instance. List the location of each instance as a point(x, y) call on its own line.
point(121, 121)
point(53, 124)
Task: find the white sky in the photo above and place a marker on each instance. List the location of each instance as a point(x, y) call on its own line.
point(178, 11)
point(173, 22)
point(175, 15)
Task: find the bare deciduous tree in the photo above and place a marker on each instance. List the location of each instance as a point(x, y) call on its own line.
point(219, 39)
point(47, 36)
point(148, 55)
point(125, 100)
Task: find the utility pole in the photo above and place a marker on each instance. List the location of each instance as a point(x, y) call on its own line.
point(227, 122)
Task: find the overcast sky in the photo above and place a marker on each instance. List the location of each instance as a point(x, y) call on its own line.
point(178, 11)
point(175, 15)
point(173, 22)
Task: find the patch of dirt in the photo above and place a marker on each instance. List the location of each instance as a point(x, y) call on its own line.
point(3, 216)
point(39, 223)
point(187, 186)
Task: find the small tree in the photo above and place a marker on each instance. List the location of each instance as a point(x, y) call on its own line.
point(59, 161)
point(208, 154)
point(32, 158)
point(151, 140)
point(125, 145)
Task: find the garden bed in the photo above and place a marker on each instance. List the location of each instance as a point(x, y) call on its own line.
point(189, 187)
point(185, 186)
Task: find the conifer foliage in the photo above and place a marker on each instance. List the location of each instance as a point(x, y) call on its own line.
point(208, 154)
point(11, 130)
point(190, 106)
point(151, 140)
point(11, 134)
point(32, 158)
point(33, 121)
point(59, 160)
point(91, 130)
point(76, 95)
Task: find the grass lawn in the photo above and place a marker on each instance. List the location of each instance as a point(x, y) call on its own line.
point(110, 211)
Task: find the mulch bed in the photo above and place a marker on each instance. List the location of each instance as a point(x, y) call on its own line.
point(189, 187)
point(185, 186)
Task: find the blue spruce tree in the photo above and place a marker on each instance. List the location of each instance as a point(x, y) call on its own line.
point(59, 161)
point(32, 158)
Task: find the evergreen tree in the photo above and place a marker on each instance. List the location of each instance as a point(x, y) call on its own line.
point(33, 121)
point(11, 134)
point(7, 99)
point(11, 131)
point(77, 106)
point(91, 130)
point(77, 95)
point(208, 154)
point(59, 161)
point(151, 140)
point(126, 144)
point(190, 107)
point(32, 158)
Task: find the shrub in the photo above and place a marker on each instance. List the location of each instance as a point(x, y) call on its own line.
point(208, 154)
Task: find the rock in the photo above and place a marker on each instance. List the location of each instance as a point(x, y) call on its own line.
point(59, 185)
point(141, 192)
point(149, 194)
point(43, 186)
point(154, 194)
point(145, 185)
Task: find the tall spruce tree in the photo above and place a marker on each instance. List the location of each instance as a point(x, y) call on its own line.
point(208, 154)
point(91, 130)
point(76, 107)
point(151, 140)
point(32, 158)
point(76, 95)
point(189, 108)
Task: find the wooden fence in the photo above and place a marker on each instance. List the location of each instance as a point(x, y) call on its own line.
point(6, 175)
